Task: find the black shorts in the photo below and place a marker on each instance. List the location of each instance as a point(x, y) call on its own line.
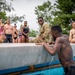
point(8, 38)
point(70, 70)
point(15, 38)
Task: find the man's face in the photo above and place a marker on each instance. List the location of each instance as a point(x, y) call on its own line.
point(8, 21)
point(40, 21)
point(25, 23)
point(15, 26)
point(53, 34)
point(73, 25)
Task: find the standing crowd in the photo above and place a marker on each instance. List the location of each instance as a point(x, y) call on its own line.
point(10, 34)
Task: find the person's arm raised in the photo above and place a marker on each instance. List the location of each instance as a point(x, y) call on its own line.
point(56, 47)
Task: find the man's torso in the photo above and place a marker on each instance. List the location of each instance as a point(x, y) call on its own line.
point(65, 53)
point(8, 29)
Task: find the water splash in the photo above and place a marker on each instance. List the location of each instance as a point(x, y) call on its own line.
point(51, 62)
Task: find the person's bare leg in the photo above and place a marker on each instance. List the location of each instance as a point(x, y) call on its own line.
point(16, 40)
point(1, 40)
point(23, 39)
point(19, 40)
point(27, 40)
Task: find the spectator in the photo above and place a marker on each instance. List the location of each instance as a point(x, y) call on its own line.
point(8, 31)
point(72, 34)
point(1, 32)
point(15, 34)
point(25, 32)
point(20, 34)
point(44, 32)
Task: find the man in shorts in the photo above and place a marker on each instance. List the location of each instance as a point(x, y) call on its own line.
point(63, 48)
point(8, 31)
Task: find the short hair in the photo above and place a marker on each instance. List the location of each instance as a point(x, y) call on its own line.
point(41, 18)
point(56, 28)
point(25, 21)
point(15, 25)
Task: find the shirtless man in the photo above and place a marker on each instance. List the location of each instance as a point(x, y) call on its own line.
point(8, 30)
point(63, 48)
point(72, 33)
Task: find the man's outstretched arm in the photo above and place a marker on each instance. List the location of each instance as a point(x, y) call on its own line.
point(56, 47)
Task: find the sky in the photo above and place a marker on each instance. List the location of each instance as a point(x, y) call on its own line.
point(27, 7)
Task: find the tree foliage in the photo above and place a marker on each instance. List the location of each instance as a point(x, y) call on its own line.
point(3, 16)
point(44, 11)
point(15, 18)
point(64, 12)
point(33, 33)
point(66, 6)
point(59, 14)
point(7, 7)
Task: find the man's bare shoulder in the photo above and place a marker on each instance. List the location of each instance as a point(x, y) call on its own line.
point(72, 30)
point(66, 36)
point(59, 39)
point(5, 25)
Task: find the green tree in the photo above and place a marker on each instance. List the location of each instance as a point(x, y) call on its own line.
point(66, 6)
point(3, 16)
point(15, 18)
point(7, 7)
point(60, 13)
point(64, 11)
point(33, 33)
point(44, 11)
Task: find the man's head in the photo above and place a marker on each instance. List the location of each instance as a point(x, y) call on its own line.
point(73, 25)
point(15, 26)
point(40, 21)
point(25, 23)
point(8, 21)
point(56, 31)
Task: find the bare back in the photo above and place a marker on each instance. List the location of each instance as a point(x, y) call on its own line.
point(65, 53)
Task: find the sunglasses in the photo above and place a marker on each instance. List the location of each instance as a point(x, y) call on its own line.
point(40, 20)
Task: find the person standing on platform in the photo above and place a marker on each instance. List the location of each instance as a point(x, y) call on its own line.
point(72, 34)
point(8, 31)
point(2, 37)
point(15, 34)
point(25, 37)
point(20, 34)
